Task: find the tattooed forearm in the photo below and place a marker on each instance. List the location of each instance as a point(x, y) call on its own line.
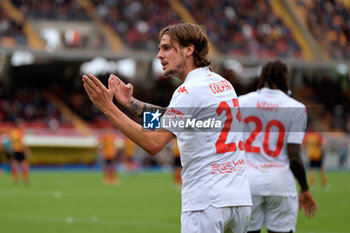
point(137, 108)
point(152, 108)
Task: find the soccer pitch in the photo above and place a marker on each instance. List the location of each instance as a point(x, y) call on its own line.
point(73, 202)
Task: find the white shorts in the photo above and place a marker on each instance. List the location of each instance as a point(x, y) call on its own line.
point(216, 220)
point(276, 213)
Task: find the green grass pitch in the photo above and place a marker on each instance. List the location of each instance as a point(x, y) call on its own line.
point(74, 202)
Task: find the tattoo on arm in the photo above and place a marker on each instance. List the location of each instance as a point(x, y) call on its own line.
point(297, 165)
point(137, 108)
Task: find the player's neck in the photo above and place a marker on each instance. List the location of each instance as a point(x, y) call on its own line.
point(186, 72)
point(188, 67)
point(273, 86)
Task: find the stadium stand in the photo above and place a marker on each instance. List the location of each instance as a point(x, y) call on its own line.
point(136, 22)
point(244, 28)
point(51, 10)
point(239, 28)
point(11, 31)
point(329, 22)
point(28, 36)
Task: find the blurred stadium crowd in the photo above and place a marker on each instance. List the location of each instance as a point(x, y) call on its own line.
point(237, 27)
point(46, 97)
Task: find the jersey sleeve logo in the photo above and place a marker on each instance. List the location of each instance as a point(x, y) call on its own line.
point(182, 89)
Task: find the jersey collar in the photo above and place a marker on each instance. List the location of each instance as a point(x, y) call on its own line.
point(196, 73)
point(269, 91)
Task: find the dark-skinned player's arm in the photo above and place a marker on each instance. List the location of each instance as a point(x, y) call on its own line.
point(123, 94)
point(306, 201)
point(102, 98)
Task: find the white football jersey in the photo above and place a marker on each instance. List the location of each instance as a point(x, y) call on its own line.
point(204, 115)
point(272, 120)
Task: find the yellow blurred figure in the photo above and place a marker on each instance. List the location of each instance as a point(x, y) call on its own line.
point(128, 155)
point(177, 163)
point(109, 153)
point(315, 142)
point(20, 154)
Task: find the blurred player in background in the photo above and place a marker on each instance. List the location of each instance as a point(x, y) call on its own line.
point(315, 146)
point(274, 130)
point(128, 155)
point(177, 164)
point(109, 153)
point(6, 148)
point(215, 192)
point(20, 154)
point(2, 156)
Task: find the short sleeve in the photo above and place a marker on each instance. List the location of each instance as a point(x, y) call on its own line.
point(298, 126)
point(183, 105)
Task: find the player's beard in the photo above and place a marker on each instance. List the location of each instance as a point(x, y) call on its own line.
point(178, 72)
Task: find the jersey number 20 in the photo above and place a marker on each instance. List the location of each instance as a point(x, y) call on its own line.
point(265, 146)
